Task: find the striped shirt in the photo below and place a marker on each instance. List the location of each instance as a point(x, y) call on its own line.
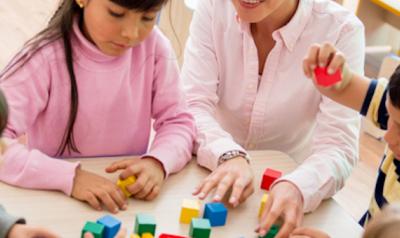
point(387, 188)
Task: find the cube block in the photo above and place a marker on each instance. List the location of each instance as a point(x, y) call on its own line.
point(145, 224)
point(216, 213)
point(272, 232)
point(134, 236)
point(111, 226)
point(147, 235)
point(190, 209)
point(324, 79)
point(171, 236)
point(200, 228)
point(96, 229)
point(123, 183)
point(269, 177)
point(262, 205)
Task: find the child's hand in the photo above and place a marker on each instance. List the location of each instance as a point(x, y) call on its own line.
point(97, 190)
point(25, 231)
point(148, 171)
point(326, 56)
point(304, 232)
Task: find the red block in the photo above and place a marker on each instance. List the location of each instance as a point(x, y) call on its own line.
point(269, 177)
point(171, 236)
point(324, 79)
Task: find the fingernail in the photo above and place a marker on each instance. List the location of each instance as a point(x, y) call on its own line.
point(202, 195)
point(217, 198)
point(124, 207)
point(232, 200)
point(330, 71)
point(313, 66)
point(321, 65)
point(116, 210)
point(262, 233)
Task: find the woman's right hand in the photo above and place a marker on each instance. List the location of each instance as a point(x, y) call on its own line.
point(235, 174)
point(327, 55)
point(98, 191)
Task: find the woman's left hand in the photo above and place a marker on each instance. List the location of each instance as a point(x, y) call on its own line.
point(286, 202)
point(149, 173)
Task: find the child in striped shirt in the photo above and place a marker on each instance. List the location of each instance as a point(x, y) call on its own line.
point(379, 101)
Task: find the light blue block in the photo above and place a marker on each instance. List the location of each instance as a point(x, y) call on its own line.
point(111, 226)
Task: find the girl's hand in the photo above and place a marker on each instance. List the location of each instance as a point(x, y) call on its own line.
point(326, 55)
point(304, 232)
point(149, 173)
point(96, 190)
point(25, 231)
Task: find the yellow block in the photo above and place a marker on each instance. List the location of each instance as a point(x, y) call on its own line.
point(263, 202)
point(135, 236)
point(190, 209)
point(123, 183)
point(147, 235)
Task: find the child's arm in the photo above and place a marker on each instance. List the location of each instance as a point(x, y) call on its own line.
point(351, 90)
point(304, 232)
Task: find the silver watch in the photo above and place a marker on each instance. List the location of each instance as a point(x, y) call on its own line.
point(233, 154)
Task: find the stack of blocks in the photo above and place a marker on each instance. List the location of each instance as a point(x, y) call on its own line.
point(200, 228)
point(126, 182)
point(145, 224)
point(269, 177)
point(190, 209)
point(106, 227)
point(216, 213)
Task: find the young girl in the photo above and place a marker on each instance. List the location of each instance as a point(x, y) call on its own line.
point(88, 86)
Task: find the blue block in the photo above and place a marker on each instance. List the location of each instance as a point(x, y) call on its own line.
point(216, 213)
point(111, 226)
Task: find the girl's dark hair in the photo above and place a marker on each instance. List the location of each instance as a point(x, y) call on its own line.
point(60, 27)
point(3, 112)
point(394, 88)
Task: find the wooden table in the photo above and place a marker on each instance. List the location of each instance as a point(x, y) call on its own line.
point(67, 216)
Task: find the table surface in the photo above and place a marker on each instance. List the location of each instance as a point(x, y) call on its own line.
point(67, 216)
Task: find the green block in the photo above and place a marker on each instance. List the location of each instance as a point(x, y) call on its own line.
point(200, 228)
point(272, 232)
point(94, 228)
point(145, 224)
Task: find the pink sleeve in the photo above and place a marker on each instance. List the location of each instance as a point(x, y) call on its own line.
point(174, 125)
point(33, 169)
point(27, 93)
point(335, 141)
point(201, 79)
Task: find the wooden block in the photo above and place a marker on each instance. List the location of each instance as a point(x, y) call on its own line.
point(111, 226)
point(324, 79)
point(190, 209)
point(96, 229)
point(147, 235)
point(135, 236)
point(272, 232)
point(145, 224)
point(216, 213)
point(171, 236)
point(126, 182)
point(200, 228)
point(269, 177)
point(262, 205)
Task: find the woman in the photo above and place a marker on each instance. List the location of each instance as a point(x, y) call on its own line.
point(246, 88)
